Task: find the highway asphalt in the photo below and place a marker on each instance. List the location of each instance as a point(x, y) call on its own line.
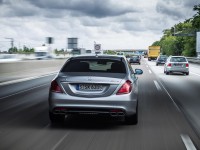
point(165, 121)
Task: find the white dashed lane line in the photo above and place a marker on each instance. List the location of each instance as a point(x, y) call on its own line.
point(60, 141)
point(150, 72)
point(157, 85)
point(187, 142)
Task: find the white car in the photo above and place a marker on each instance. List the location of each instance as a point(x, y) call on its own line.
point(176, 64)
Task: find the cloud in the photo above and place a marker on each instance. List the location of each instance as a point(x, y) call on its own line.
point(190, 3)
point(11, 8)
point(113, 23)
point(93, 8)
point(177, 9)
point(170, 8)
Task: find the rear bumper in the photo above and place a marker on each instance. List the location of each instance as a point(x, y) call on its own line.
point(134, 61)
point(160, 62)
point(62, 104)
point(183, 70)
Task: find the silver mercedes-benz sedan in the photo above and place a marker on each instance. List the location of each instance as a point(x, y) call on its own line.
point(97, 85)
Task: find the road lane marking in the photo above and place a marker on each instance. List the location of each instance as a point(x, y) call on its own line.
point(157, 85)
point(187, 142)
point(147, 66)
point(195, 74)
point(26, 79)
point(60, 141)
point(170, 97)
point(23, 91)
point(150, 71)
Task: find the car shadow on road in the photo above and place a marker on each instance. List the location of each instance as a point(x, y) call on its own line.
point(89, 123)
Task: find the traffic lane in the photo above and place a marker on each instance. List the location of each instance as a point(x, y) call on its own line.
point(185, 91)
point(161, 111)
point(159, 127)
point(186, 94)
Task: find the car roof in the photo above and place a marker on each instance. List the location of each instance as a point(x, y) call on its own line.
point(163, 55)
point(177, 56)
point(104, 56)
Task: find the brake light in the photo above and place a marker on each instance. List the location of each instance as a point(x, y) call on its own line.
point(187, 65)
point(169, 65)
point(55, 87)
point(125, 88)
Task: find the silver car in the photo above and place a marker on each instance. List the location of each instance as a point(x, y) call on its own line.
point(95, 85)
point(177, 64)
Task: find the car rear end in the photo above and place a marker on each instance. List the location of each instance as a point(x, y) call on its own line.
point(134, 59)
point(93, 85)
point(177, 64)
point(161, 60)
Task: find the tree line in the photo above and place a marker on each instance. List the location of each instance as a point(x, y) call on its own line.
point(181, 38)
point(24, 50)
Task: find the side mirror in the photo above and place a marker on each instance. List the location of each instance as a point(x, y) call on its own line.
point(138, 71)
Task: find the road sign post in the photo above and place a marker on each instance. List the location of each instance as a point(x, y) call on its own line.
point(97, 48)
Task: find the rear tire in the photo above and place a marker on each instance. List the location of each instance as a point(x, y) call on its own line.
point(56, 118)
point(167, 73)
point(132, 120)
point(187, 73)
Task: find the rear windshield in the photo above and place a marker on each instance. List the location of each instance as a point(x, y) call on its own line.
point(92, 65)
point(163, 57)
point(134, 57)
point(178, 59)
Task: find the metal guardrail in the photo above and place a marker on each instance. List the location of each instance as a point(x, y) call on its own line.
point(195, 60)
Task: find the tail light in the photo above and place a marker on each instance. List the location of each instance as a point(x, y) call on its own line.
point(187, 65)
point(125, 88)
point(169, 65)
point(55, 87)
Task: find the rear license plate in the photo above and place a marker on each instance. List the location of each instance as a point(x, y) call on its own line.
point(179, 65)
point(90, 87)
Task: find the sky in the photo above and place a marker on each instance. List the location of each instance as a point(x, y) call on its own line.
point(115, 24)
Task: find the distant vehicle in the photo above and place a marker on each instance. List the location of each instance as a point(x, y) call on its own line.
point(153, 52)
point(128, 57)
point(161, 59)
point(94, 52)
point(177, 64)
point(88, 51)
point(42, 52)
point(78, 51)
point(97, 85)
point(145, 55)
point(120, 53)
point(134, 59)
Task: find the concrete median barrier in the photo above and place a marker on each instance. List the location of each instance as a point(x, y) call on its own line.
point(22, 66)
point(23, 69)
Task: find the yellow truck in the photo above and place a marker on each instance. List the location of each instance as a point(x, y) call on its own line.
point(153, 52)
